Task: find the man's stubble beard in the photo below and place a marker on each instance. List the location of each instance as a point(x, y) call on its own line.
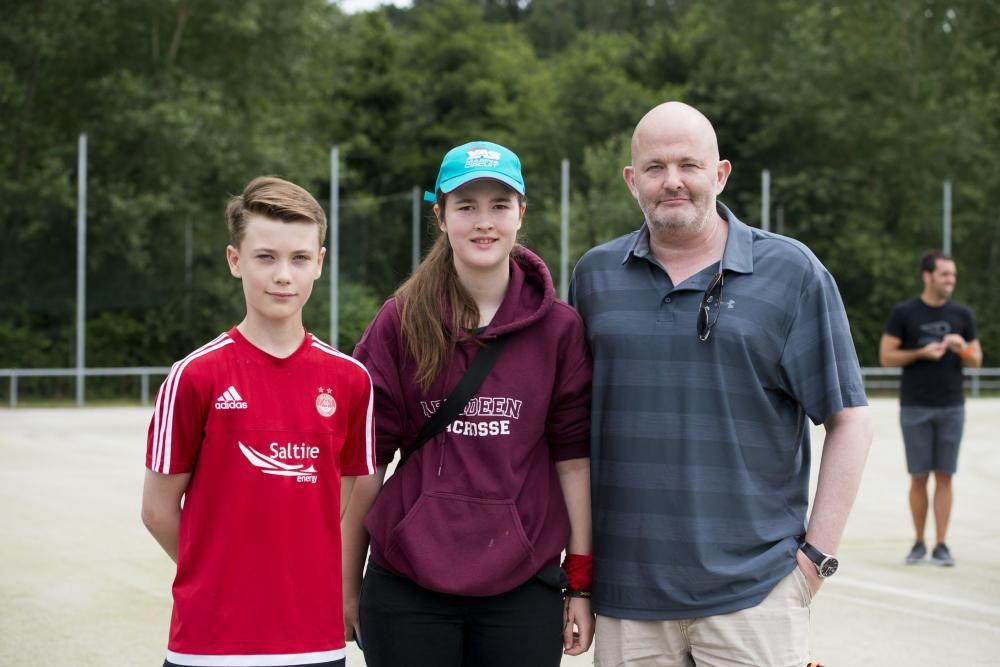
point(687, 227)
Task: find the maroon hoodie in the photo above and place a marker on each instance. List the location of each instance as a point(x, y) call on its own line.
point(478, 510)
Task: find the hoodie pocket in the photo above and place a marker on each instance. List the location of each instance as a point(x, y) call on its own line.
point(459, 544)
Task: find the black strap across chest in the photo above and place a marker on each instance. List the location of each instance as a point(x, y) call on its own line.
point(459, 396)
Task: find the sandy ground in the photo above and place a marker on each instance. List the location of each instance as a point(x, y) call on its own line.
point(84, 585)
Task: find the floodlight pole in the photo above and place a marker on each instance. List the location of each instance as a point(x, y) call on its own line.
point(334, 264)
point(81, 265)
point(188, 266)
point(415, 223)
point(765, 200)
point(946, 221)
point(564, 233)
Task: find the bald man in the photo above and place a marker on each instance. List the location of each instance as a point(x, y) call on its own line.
point(713, 344)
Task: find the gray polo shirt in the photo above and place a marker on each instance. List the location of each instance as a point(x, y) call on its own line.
point(700, 450)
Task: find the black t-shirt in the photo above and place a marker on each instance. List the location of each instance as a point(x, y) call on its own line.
point(931, 383)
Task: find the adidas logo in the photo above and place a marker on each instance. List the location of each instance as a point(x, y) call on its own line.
point(230, 400)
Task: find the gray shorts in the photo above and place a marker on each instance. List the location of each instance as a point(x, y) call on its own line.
point(932, 437)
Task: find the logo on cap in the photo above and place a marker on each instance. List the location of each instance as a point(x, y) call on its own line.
point(482, 157)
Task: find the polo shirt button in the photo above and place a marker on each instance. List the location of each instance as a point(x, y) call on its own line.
point(666, 299)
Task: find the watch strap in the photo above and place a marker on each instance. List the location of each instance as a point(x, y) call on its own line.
point(813, 554)
point(826, 565)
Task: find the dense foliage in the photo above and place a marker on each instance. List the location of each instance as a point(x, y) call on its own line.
point(860, 109)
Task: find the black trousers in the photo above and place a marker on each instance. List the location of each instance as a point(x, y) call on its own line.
point(405, 625)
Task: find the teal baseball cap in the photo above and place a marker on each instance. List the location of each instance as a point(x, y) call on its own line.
point(475, 160)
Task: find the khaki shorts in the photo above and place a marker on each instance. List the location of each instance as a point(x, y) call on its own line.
point(774, 633)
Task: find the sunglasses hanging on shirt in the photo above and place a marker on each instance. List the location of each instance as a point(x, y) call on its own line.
point(711, 306)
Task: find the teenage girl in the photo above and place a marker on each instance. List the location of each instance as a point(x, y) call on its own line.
point(467, 534)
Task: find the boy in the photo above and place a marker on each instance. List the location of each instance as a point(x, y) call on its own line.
point(254, 431)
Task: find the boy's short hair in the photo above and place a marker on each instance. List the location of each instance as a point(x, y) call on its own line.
point(273, 198)
point(928, 263)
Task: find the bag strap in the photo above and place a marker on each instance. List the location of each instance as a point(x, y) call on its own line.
point(459, 396)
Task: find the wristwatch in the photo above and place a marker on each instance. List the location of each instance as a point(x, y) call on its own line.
point(826, 565)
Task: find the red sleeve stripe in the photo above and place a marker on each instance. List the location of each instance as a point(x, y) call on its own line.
point(163, 415)
point(369, 421)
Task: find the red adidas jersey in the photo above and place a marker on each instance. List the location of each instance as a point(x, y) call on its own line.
point(267, 440)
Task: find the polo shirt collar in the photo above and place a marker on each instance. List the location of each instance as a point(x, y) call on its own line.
point(640, 246)
point(736, 257)
point(738, 254)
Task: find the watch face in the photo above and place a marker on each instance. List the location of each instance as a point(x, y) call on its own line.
point(828, 567)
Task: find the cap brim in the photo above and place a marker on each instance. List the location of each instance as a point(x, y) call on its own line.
point(459, 181)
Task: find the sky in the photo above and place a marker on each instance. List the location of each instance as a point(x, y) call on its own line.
point(351, 6)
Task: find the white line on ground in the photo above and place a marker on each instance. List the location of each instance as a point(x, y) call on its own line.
point(910, 611)
point(966, 605)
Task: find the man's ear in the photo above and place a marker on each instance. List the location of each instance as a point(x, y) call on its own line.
point(628, 173)
point(233, 259)
point(722, 175)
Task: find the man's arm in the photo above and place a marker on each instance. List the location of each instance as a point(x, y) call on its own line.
point(354, 542)
point(891, 353)
point(848, 437)
point(161, 507)
point(972, 356)
point(970, 353)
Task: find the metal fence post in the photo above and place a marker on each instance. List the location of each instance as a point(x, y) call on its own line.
point(81, 267)
point(765, 200)
point(333, 260)
point(946, 218)
point(564, 231)
point(415, 231)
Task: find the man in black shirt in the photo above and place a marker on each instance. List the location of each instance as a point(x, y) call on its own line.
point(931, 338)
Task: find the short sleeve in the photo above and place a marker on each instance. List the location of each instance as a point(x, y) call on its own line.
point(571, 297)
point(819, 365)
point(896, 324)
point(970, 327)
point(358, 454)
point(177, 427)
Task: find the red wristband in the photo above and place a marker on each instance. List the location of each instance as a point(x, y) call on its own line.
point(579, 571)
point(966, 353)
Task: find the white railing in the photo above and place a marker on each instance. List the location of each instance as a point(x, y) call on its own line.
point(142, 371)
point(979, 379)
